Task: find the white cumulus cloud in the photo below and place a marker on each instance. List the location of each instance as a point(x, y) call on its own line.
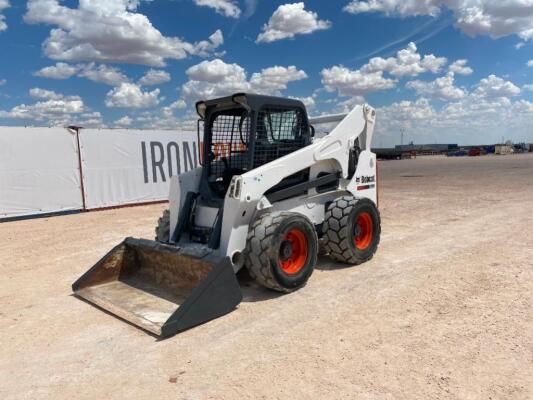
point(86, 120)
point(409, 111)
point(494, 86)
point(154, 77)
point(59, 71)
point(276, 78)
point(52, 107)
point(481, 116)
point(403, 8)
point(130, 95)
point(167, 118)
point(496, 18)
point(227, 8)
point(108, 75)
point(408, 62)
point(290, 20)
point(178, 105)
point(371, 76)
point(354, 82)
point(460, 67)
point(124, 121)
point(110, 31)
point(309, 102)
point(3, 5)
point(216, 78)
point(104, 74)
point(43, 94)
point(442, 88)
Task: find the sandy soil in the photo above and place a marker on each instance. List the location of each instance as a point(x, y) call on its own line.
point(444, 310)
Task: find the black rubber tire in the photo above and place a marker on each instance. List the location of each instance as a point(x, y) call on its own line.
point(162, 230)
point(339, 230)
point(263, 246)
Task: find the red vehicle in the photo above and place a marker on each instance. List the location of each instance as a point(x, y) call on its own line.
point(474, 152)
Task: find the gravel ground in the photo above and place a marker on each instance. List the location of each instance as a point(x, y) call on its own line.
point(443, 311)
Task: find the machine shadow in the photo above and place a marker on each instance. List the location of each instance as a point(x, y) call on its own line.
point(325, 263)
point(253, 292)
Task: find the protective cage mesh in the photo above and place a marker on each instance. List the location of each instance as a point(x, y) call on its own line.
point(230, 135)
point(279, 132)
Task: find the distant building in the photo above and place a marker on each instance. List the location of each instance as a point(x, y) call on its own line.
point(423, 148)
point(391, 154)
point(521, 148)
point(503, 149)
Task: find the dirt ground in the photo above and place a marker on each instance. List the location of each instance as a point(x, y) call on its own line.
point(443, 311)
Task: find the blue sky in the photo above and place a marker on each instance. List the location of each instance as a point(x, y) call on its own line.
point(440, 70)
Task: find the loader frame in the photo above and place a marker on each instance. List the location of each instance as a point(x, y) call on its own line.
point(342, 162)
point(280, 180)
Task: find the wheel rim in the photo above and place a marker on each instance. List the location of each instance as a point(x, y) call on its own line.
point(293, 252)
point(363, 231)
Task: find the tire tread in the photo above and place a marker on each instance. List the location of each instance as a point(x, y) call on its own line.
point(258, 243)
point(162, 230)
point(337, 227)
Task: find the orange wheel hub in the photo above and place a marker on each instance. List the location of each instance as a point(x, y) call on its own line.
point(363, 231)
point(293, 252)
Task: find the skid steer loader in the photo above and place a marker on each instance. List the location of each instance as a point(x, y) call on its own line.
point(265, 192)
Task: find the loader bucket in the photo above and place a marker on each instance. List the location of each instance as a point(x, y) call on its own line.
point(158, 288)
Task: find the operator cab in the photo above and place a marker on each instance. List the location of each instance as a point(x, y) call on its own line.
point(245, 131)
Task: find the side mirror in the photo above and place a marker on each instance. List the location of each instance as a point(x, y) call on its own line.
point(312, 130)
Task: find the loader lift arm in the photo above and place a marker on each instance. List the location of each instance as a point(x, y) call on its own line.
point(358, 125)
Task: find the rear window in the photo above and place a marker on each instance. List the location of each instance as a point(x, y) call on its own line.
point(280, 125)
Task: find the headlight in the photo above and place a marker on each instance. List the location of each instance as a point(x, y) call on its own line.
point(235, 187)
point(201, 108)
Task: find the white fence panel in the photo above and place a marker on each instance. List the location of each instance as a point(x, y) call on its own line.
point(39, 171)
point(125, 166)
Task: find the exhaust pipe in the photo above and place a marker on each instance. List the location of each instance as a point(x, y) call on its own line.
point(160, 289)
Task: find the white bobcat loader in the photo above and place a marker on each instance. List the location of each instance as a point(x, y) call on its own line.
point(264, 195)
